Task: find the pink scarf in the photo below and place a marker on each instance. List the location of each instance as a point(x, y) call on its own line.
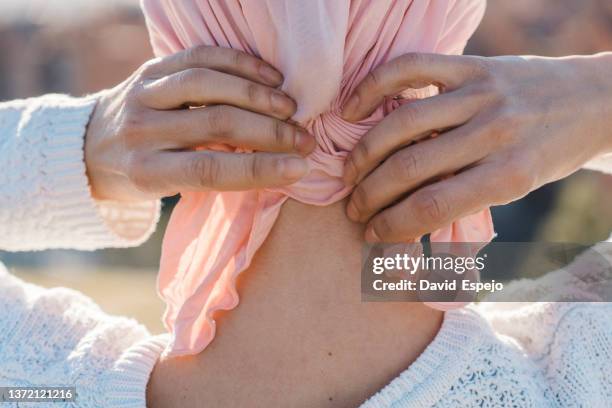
point(324, 48)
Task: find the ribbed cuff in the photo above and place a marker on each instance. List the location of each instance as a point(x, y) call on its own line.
point(87, 224)
point(127, 387)
point(130, 224)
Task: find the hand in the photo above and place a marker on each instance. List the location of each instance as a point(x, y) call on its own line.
point(145, 137)
point(507, 125)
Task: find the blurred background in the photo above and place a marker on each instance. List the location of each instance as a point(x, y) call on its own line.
point(82, 46)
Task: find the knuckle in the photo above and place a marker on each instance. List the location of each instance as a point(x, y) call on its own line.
point(198, 53)
point(361, 154)
point(278, 132)
point(240, 60)
point(218, 119)
point(493, 88)
point(481, 91)
point(204, 170)
point(192, 76)
point(483, 80)
point(480, 67)
point(410, 59)
point(256, 170)
point(361, 200)
point(149, 68)
point(283, 134)
point(371, 82)
point(135, 91)
point(384, 227)
point(408, 115)
point(134, 95)
point(431, 206)
point(254, 93)
point(405, 166)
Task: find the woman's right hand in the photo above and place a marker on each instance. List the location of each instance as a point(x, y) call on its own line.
point(142, 141)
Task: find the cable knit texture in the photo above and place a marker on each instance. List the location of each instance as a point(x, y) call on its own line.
point(45, 200)
point(559, 356)
point(490, 355)
point(58, 337)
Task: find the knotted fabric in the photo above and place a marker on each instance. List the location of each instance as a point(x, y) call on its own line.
point(324, 48)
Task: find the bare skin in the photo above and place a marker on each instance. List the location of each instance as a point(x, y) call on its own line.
point(301, 337)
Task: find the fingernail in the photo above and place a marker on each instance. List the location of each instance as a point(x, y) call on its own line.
point(370, 235)
point(293, 168)
point(279, 101)
point(270, 74)
point(304, 142)
point(351, 211)
point(349, 107)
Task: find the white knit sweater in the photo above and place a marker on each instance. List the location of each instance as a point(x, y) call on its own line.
point(59, 337)
point(498, 355)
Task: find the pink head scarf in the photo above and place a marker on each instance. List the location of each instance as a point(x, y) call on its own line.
point(324, 48)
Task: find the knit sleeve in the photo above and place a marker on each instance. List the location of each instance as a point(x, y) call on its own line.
point(45, 200)
point(58, 337)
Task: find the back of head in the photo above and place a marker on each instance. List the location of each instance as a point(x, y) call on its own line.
point(324, 48)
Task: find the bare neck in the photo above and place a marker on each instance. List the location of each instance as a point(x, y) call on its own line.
point(301, 326)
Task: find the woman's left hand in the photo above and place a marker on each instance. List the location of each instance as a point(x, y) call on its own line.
point(505, 125)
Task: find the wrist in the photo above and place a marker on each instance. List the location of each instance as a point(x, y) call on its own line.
point(99, 148)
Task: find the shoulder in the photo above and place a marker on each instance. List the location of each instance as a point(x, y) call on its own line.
point(579, 355)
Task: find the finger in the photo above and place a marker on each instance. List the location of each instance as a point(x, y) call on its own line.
point(437, 205)
point(413, 70)
point(191, 128)
point(201, 86)
point(407, 124)
point(228, 60)
point(412, 167)
point(222, 171)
